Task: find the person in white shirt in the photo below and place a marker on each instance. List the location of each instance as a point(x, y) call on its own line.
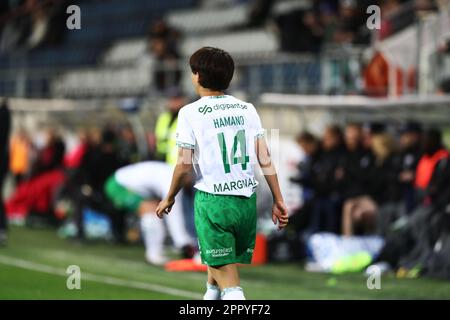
point(138, 188)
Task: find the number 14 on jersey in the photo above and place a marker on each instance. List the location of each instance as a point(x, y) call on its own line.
point(240, 142)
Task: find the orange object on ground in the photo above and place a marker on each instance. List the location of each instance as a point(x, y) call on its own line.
point(260, 253)
point(185, 265)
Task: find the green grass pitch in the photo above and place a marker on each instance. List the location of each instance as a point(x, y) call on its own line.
point(33, 266)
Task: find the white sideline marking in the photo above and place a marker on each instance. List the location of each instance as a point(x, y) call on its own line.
point(33, 266)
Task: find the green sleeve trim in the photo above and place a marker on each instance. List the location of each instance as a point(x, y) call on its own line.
point(185, 145)
point(260, 135)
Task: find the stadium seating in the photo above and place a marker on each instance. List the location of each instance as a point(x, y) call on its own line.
point(125, 52)
point(256, 41)
point(129, 80)
point(208, 20)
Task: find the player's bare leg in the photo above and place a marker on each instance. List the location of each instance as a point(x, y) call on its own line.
point(227, 277)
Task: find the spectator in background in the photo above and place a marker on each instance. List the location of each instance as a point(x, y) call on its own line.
point(430, 164)
point(51, 156)
point(388, 9)
point(352, 20)
point(32, 23)
point(57, 22)
point(444, 87)
point(16, 30)
point(411, 244)
point(20, 149)
point(127, 145)
point(34, 195)
point(369, 131)
point(259, 12)
point(166, 126)
point(352, 173)
point(73, 159)
point(327, 15)
point(311, 147)
point(327, 196)
point(299, 31)
point(361, 211)
point(410, 153)
point(40, 23)
point(86, 185)
point(163, 44)
point(5, 127)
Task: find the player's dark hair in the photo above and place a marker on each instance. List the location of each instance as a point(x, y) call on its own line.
point(215, 68)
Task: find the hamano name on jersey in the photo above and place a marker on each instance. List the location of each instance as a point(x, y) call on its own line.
point(228, 121)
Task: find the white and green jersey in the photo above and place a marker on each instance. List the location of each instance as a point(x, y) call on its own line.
point(222, 132)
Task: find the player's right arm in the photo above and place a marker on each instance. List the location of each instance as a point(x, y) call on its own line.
point(186, 142)
point(279, 210)
point(181, 172)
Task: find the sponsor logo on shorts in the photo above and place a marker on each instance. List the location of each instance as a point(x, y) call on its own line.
point(222, 252)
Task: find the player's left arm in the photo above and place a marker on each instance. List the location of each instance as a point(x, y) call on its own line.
point(182, 171)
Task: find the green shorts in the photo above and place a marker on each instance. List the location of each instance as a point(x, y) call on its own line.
point(226, 228)
point(121, 197)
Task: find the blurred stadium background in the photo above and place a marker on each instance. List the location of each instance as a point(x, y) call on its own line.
point(318, 76)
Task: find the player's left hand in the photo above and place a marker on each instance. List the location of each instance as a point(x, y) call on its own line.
point(280, 214)
point(164, 207)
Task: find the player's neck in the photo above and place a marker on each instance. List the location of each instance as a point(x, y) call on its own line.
point(203, 92)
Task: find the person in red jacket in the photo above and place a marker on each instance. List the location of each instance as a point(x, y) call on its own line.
point(429, 163)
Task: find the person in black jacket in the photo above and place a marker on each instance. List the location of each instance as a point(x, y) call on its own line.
point(311, 147)
point(5, 127)
point(352, 172)
point(324, 183)
point(409, 156)
point(382, 188)
point(51, 156)
point(86, 185)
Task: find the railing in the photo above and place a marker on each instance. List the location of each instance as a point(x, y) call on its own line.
point(332, 72)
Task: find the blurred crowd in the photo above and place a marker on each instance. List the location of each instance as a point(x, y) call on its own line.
point(31, 24)
point(364, 180)
point(324, 22)
point(57, 176)
point(45, 174)
point(351, 176)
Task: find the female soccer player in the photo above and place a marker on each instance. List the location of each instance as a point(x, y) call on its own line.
point(221, 137)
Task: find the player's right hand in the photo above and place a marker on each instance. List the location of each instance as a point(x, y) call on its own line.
point(280, 214)
point(164, 207)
